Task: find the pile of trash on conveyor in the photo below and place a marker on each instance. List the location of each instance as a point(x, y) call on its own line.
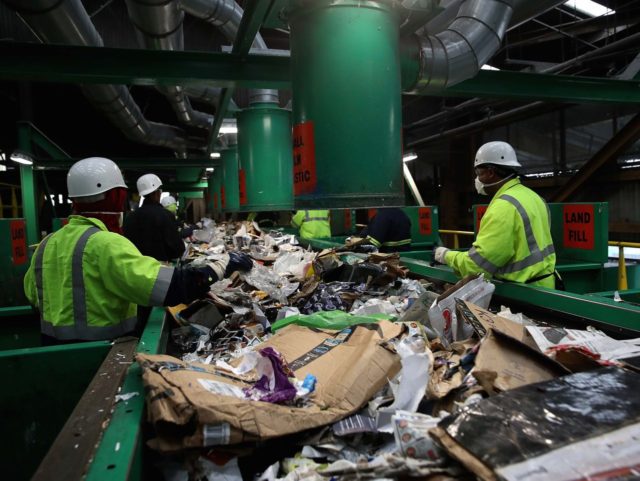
point(326, 366)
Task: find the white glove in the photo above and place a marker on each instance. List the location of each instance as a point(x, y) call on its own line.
point(219, 266)
point(441, 252)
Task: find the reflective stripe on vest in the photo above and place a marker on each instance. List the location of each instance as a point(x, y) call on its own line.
point(402, 242)
point(80, 329)
point(535, 254)
point(308, 218)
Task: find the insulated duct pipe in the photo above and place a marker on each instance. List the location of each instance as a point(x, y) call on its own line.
point(226, 15)
point(67, 22)
point(159, 27)
point(459, 52)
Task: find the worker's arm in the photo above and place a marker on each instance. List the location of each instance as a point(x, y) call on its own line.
point(145, 281)
point(29, 283)
point(493, 247)
point(377, 231)
point(297, 219)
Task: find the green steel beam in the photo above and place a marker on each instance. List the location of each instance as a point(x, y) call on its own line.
point(255, 12)
point(99, 65)
point(221, 112)
point(132, 163)
point(15, 311)
point(119, 454)
point(184, 186)
point(531, 86)
point(45, 143)
point(28, 187)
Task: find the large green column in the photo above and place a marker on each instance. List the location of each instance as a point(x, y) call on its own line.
point(346, 104)
point(229, 187)
point(265, 157)
point(28, 187)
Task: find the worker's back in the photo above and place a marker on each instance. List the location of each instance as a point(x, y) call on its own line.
point(313, 224)
point(85, 281)
point(390, 230)
point(154, 231)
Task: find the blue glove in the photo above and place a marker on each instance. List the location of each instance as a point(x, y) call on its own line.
point(238, 262)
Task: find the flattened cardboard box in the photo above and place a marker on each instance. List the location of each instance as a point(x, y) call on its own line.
point(482, 320)
point(195, 405)
point(504, 363)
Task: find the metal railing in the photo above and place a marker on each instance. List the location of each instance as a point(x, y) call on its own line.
point(456, 234)
point(622, 265)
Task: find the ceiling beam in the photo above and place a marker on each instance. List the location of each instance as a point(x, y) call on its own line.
point(629, 134)
point(132, 163)
point(532, 86)
point(102, 65)
point(255, 13)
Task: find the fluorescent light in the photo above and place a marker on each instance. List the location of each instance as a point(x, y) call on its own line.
point(209, 169)
point(229, 129)
point(632, 166)
point(214, 155)
point(408, 157)
point(539, 175)
point(3, 168)
point(21, 158)
point(3, 157)
point(486, 66)
point(588, 7)
point(634, 160)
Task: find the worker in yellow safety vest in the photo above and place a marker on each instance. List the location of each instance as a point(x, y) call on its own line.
point(86, 278)
point(514, 239)
point(313, 224)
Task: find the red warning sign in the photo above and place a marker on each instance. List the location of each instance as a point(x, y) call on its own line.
point(215, 201)
point(223, 198)
point(242, 179)
point(371, 213)
point(18, 242)
point(347, 219)
point(424, 220)
point(304, 159)
point(578, 226)
point(480, 210)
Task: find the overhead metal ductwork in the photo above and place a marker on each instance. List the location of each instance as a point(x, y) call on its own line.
point(459, 51)
point(67, 22)
point(159, 27)
point(226, 15)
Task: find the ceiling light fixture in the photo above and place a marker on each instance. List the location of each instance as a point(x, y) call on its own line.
point(214, 155)
point(228, 129)
point(486, 66)
point(589, 7)
point(209, 169)
point(409, 157)
point(21, 158)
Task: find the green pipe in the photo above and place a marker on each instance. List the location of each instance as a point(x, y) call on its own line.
point(265, 158)
point(28, 187)
point(346, 104)
point(229, 188)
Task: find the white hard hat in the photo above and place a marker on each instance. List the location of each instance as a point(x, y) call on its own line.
point(92, 176)
point(496, 153)
point(148, 183)
point(168, 200)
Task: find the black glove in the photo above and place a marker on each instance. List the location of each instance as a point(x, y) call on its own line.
point(188, 284)
point(238, 262)
point(186, 232)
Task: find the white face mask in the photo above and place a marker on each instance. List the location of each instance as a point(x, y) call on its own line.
point(481, 188)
